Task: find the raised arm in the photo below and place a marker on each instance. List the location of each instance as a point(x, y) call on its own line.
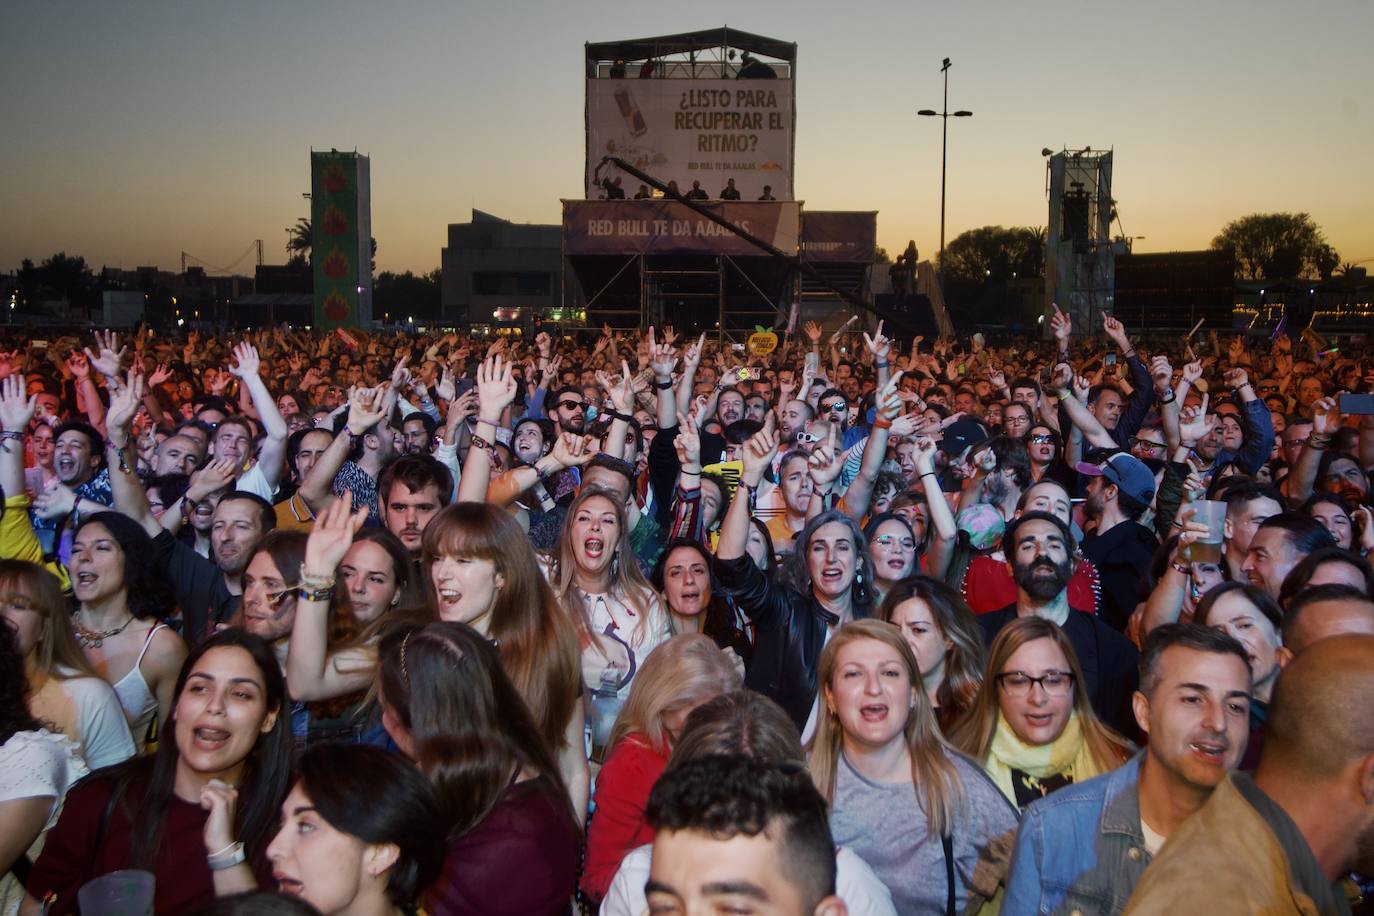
point(495, 392)
point(1082, 418)
point(856, 497)
point(16, 410)
point(311, 674)
point(941, 516)
point(1297, 486)
point(759, 452)
point(622, 398)
point(365, 407)
point(272, 457)
point(881, 348)
point(79, 366)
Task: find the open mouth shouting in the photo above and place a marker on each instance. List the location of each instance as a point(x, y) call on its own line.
point(1210, 751)
point(210, 739)
point(873, 712)
point(288, 885)
point(594, 548)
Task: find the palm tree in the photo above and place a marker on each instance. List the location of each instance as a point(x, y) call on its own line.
point(299, 238)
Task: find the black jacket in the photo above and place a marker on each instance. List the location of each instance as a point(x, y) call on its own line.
point(789, 633)
point(1122, 555)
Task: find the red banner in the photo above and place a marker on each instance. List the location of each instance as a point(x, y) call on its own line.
point(626, 227)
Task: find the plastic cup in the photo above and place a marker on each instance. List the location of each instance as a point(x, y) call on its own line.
point(1207, 548)
point(128, 892)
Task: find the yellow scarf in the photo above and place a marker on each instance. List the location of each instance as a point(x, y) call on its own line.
point(1068, 755)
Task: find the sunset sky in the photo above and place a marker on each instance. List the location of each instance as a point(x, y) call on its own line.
point(133, 131)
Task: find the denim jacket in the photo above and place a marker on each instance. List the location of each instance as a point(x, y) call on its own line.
point(1080, 850)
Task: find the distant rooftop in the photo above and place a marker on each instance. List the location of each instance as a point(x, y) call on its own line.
point(688, 47)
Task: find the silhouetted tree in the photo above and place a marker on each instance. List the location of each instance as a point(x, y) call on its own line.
point(1277, 246)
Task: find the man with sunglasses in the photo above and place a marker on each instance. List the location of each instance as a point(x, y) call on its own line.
point(833, 407)
point(568, 410)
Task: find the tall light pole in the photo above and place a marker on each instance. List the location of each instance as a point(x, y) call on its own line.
point(944, 115)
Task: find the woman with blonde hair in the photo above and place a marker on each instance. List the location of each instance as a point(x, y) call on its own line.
point(65, 693)
point(481, 571)
point(909, 804)
point(619, 617)
point(1032, 725)
point(941, 631)
point(677, 677)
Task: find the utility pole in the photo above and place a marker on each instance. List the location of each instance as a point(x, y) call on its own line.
point(944, 114)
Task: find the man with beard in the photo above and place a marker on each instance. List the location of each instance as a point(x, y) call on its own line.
point(1342, 475)
point(410, 492)
point(568, 411)
point(1119, 491)
point(1039, 547)
point(1092, 841)
point(1280, 843)
point(417, 433)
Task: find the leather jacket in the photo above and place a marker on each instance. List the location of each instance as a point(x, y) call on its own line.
point(789, 633)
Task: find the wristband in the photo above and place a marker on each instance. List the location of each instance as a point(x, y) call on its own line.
point(663, 386)
point(1179, 567)
point(1319, 441)
point(479, 442)
point(617, 415)
point(1172, 396)
point(9, 434)
point(495, 423)
point(882, 423)
point(881, 365)
point(1064, 395)
point(226, 858)
point(316, 582)
point(929, 474)
point(689, 473)
point(323, 593)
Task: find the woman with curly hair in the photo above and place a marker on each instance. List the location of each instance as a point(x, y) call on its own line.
point(122, 598)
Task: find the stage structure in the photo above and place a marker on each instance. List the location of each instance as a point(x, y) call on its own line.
point(712, 108)
point(1079, 254)
point(341, 238)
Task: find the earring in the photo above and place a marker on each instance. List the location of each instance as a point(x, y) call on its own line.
point(615, 562)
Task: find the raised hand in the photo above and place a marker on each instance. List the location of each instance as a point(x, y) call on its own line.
point(1114, 329)
point(495, 387)
point(692, 358)
point(812, 332)
point(1194, 424)
point(878, 345)
point(366, 408)
point(924, 455)
point(758, 455)
point(79, 366)
point(572, 450)
point(1061, 326)
point(544, 344)
point(662, 358)
point(620, 389)
point(1062, 379)
point(1325, 417)
point(217, 474)
point(161, 374)
point(16, 408)
point(331, 537)
point(998, 378)
point(688, 443)
point(1161, 372)
point(400, 373)
point(1236, 379)
point(825, 462)
point(1081, 387)
point(107, 362)
point(124, 404)
point(460, 408)
point(56, 501)
point(669, 335)
point(246, 363)
point(1192, 371)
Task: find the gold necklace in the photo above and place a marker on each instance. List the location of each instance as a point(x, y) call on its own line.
point(93, 639)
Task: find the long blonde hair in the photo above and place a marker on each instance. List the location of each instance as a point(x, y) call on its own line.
point(973, 733)
point(685, 671)
point(627, 582)
point(939, 790)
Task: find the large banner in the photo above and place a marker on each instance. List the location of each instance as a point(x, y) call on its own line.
point(694, 130)
point(839, 235)
point(627, 227)
point(341, 238)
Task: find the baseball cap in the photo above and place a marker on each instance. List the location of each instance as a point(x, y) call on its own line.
point(1126, 471)
point(960, 435)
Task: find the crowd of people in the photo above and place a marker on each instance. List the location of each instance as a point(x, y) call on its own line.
point(370, 622)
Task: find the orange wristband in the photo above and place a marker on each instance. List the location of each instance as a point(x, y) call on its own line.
point(882, 423)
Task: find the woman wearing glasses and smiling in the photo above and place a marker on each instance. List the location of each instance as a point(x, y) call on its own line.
point(1032, 726)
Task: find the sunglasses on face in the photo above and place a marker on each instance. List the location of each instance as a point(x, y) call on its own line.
point(808, 437)
point(568, 404)
point(834, 406)
point(1041, 439)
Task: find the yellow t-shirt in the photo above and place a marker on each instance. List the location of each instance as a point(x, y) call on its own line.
point(18, 542)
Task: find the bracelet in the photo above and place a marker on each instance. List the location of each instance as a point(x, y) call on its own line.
point(1064, 395)
point(684, 471)
point(1319, 441)
point(1172, 396)
point(882, 423)
point(119, 450)
point(495, 423)
point(617, 415)
point(326, 593)
point(8, 434)
point(234, 856)
point(929, 474)
point(881, 365)
point(664, 385)
point(309, 581)
point(479, 442)
point(1179, 567)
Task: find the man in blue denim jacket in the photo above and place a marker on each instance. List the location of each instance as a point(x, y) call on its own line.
point(1082, 849)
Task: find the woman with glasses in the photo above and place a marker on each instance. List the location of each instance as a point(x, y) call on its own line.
point(1016, 420)
point(944, 637)
point(891, 550)
point(902, 798)
point(1032, 725)
point(1046, 450)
